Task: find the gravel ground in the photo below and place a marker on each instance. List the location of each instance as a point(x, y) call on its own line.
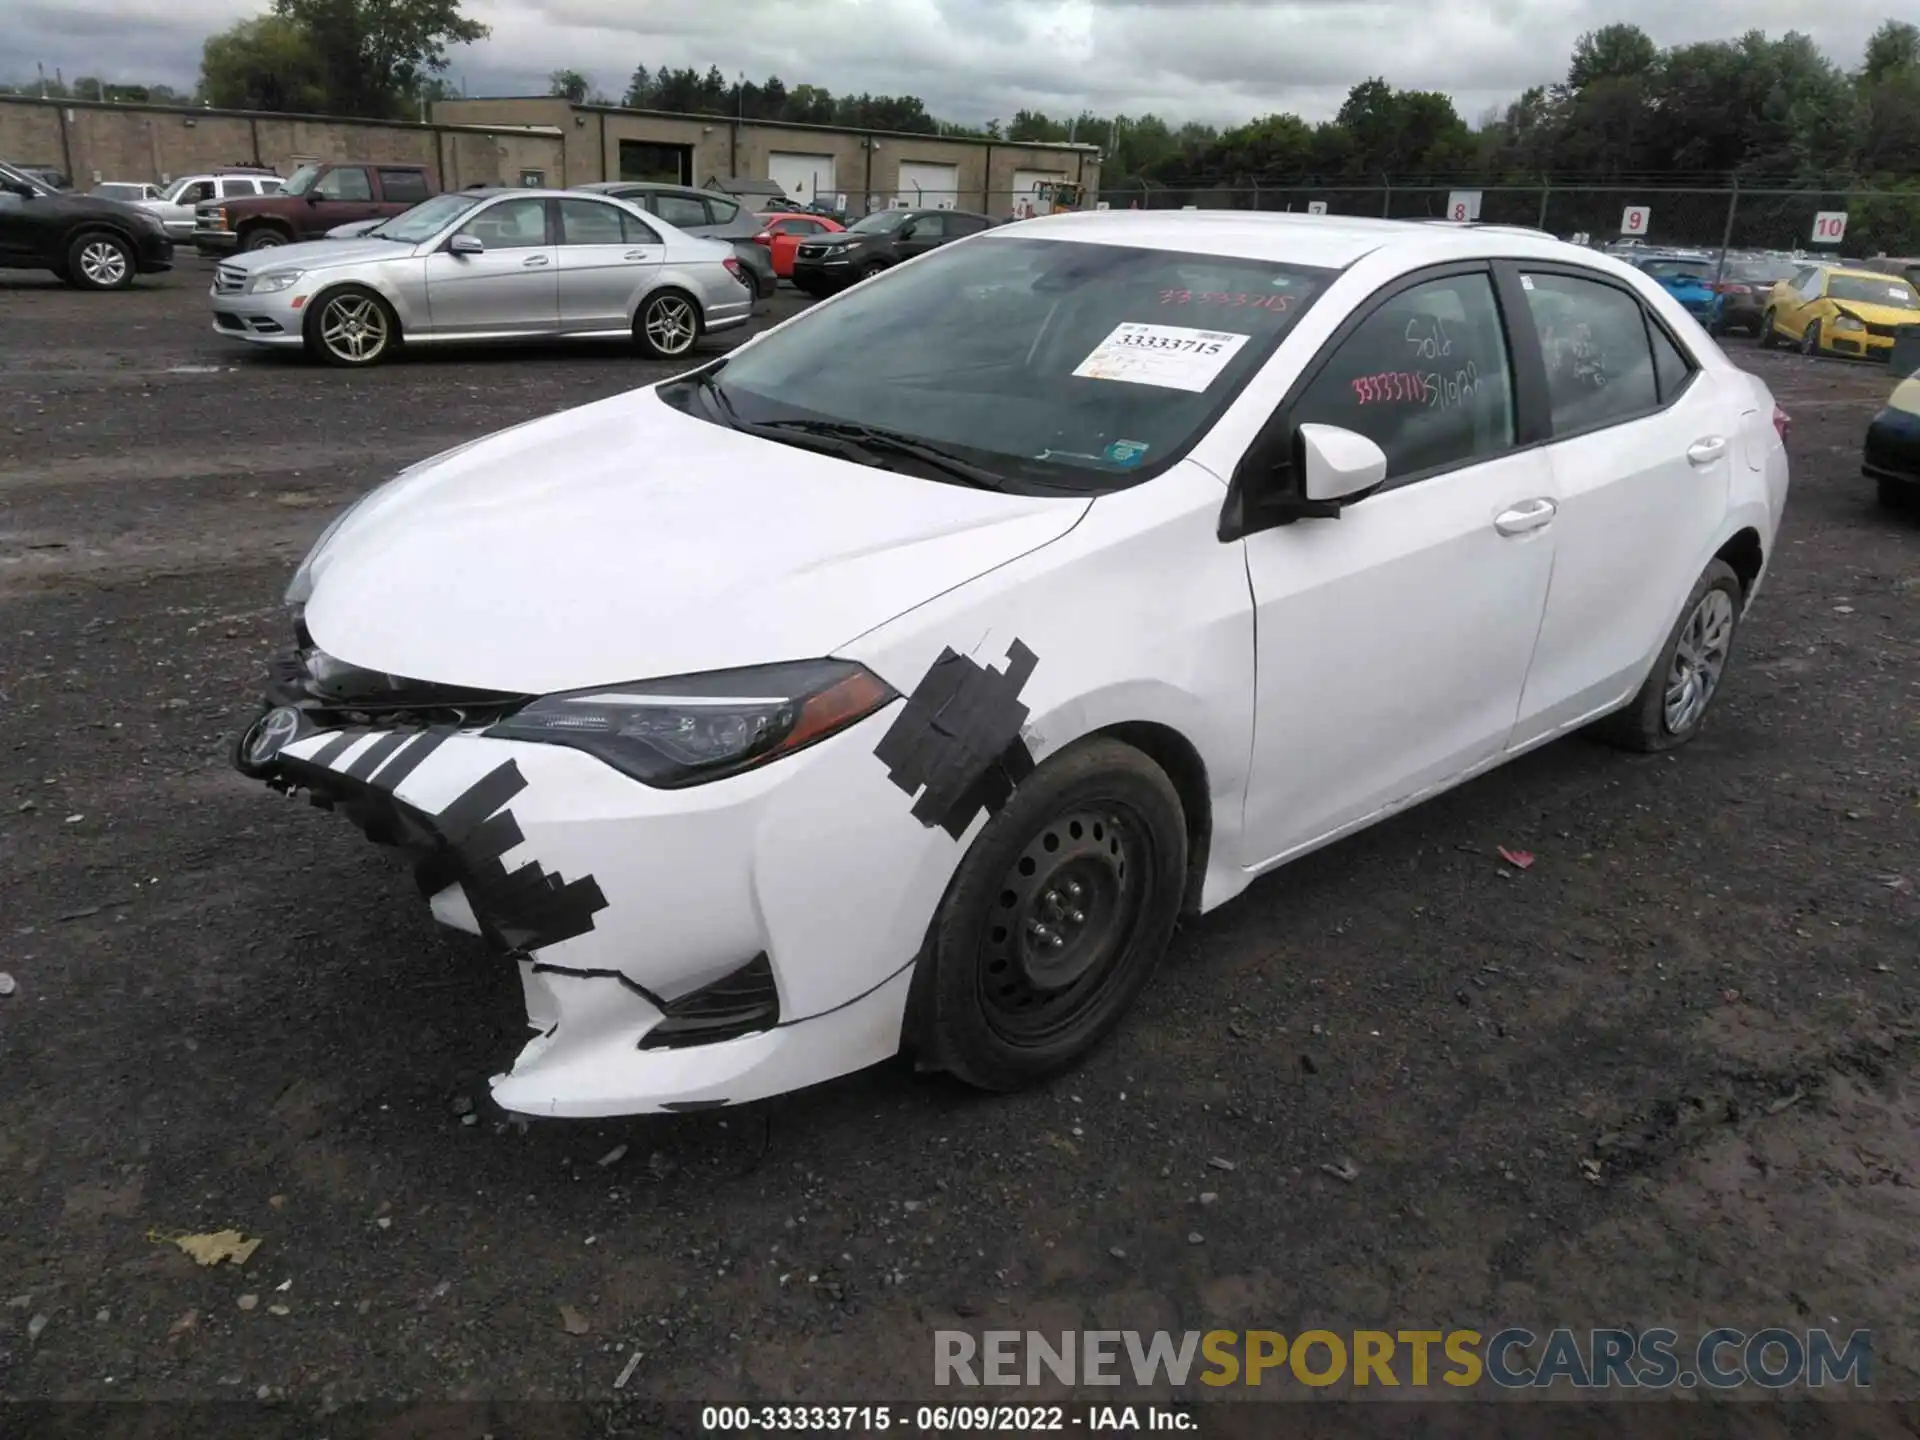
point(1665, 1076)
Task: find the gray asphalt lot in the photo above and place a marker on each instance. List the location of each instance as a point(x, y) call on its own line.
point(232, 1012)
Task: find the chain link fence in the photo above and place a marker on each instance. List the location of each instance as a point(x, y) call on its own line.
point(1878, 222)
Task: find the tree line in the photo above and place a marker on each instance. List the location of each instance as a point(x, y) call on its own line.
point(1626, 111)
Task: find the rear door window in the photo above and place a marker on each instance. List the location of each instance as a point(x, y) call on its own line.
point(405, 187)
point(1425, 376)
point(1593, 337)
point(681, 211)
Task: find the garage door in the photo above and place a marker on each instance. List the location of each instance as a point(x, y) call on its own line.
point(1026, 189)
point(803, 177)
point(929, 186)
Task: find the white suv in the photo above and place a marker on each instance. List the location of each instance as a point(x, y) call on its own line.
point(176, 203)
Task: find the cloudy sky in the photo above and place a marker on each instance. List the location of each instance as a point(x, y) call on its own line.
point(1214, 60)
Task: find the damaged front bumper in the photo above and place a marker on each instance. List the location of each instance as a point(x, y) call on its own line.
point(678, 949)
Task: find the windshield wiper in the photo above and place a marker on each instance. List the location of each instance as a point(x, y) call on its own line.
point(870, 443)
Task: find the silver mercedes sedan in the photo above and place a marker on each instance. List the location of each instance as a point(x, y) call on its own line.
point(486, 265)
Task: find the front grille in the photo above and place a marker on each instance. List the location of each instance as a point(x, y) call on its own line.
point(229, 280)
point(743, 1003)
point(382, 702)
point(1892, 331)
point(811, 252)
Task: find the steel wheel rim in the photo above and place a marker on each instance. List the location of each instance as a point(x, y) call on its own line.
point(1062, 921)
point(265, 240)
point(670, 325)
point(1699, 660)
point(103, 262)
point(353, 328)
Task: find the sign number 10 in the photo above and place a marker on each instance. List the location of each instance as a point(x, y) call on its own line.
point(1829, 227)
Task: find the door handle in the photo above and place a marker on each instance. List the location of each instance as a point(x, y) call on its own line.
point(533, 260)
point(1705, 452)
point(638, 255)
point(1526, 517)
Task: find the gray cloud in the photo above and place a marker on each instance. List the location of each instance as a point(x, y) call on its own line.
point(1214, 60)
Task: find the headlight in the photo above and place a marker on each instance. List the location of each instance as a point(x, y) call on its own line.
point(1847, 324)
point(690, 729)
point(273, 280)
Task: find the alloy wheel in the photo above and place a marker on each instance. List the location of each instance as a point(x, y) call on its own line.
point(1699, 660)
point(104, 263)
point(354, 328)
point(671, 326)
point(1065, 917)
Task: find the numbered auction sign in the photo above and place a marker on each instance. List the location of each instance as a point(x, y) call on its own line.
point(1829, 227)
point(1634, 220)
point(1316, 207)
point(1463, 205)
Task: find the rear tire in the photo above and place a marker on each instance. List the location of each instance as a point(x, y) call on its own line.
point(99, 261)
point(1686, 678)
point(668, 325)
point(1056, 919)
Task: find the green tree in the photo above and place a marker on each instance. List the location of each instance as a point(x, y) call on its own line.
point(1894, 47)
point(1613, 52)
point(376, 55)
point(571, 84)
point(267, 63)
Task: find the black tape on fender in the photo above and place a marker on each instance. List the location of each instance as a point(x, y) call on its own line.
point(959, 738)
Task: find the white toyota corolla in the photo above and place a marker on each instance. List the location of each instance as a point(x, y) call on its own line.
point(898, 680)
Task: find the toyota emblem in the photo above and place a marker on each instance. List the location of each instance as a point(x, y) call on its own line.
point(272, 732)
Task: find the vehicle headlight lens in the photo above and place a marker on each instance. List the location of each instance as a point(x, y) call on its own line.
point(1847, 323)
point(273, 280)
point(689, 729)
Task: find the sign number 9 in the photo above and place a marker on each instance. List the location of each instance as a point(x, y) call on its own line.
point(1634, 219)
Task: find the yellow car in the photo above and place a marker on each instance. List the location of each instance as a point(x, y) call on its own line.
point(1829, 311)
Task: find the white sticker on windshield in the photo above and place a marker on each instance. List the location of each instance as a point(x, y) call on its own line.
point(1898, 292)
point(1172, 357)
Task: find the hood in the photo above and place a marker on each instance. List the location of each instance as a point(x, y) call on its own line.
point(71, 202)
point(1878, 314)
point(628, 541)
point(312, 254)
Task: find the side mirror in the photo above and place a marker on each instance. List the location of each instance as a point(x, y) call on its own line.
point(466, 245)
point(20, 188)
point(906, 231)
point(1336, 464)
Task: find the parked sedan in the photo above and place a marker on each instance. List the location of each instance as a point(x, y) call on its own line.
point(827, 263)
point(705, 213)
point(1833, 311)
point(1691, 282)
point(1892, 455)
point(485, 265)
point(900, 678)
point(1744, 283)
point(782, 231)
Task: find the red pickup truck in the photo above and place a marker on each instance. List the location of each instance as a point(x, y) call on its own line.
point(314, 200)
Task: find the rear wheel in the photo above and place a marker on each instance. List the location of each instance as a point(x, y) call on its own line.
point(668, 325)
point(1672, 704)
point(99, 261)
point(1056, 918)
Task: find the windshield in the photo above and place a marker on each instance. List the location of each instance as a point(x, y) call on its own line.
point(301, 180)
point(1055, 363)
point(1678, 269)
point(1760, 272)
point(1873, 290)
point(881, 222)
point(425, 220)
point(113, 191)
point(20, 177)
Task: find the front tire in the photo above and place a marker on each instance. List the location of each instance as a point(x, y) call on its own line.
point(1684, 682)
point(668, 325)
point(262, 237)
point(99, 261)
point(1894, 495)
point(1056, 918)
point(1810, 339)
point(1769, 339)
point(352, 327)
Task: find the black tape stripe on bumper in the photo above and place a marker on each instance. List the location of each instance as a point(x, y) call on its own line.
point(375, 755)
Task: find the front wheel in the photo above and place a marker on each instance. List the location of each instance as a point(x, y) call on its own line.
point(352, 327)
point(99, 262)
point(263, 237)
point(1055, 919)
point(1894, 495)
point(1768, 338)
point(667, 326)
point(1672, 704)
point(1810, 340)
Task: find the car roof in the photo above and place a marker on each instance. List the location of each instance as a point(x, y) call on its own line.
point(1853, 272)
point(1325, 241)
